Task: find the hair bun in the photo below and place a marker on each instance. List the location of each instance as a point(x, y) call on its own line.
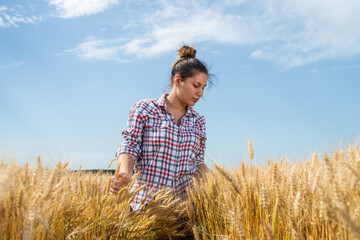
point(187, 52)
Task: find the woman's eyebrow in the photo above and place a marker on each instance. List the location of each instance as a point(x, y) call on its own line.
point(200, 83)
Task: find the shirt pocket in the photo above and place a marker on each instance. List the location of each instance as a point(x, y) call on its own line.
point(156, 135)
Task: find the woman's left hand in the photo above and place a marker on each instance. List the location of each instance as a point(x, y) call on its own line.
point(120, 181)
point(202, 169)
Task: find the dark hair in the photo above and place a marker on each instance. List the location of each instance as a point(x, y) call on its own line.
point(188, 66)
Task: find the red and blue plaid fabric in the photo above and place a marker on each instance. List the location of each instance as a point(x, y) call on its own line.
point(166, 155)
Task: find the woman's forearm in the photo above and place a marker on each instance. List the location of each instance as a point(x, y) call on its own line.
point(126, 163)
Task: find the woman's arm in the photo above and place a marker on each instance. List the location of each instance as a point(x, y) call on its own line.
point(126, 163)
point(202, 169)
point(123, 178)
point(201, 166)
point(130, 150)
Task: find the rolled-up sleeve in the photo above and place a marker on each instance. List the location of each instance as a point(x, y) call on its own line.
point(200, 157)
point(133, 134)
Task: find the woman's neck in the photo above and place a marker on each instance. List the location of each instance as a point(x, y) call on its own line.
point(173, 103)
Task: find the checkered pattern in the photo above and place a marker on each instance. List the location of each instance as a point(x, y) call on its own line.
point(166, 156)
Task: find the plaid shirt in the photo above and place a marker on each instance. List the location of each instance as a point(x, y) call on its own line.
point(166, 155)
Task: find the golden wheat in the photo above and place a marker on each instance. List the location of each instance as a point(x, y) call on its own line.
point(318, 198)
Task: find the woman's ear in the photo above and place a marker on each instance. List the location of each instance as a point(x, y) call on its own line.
point(177, 80)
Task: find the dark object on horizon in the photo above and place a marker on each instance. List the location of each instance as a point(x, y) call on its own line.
point(109, 171)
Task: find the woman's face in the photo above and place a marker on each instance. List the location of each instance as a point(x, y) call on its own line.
point(192, 89)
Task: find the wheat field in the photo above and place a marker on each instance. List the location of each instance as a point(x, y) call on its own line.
point(318, 198)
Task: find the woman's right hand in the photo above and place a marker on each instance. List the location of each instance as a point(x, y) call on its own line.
point(120, 181)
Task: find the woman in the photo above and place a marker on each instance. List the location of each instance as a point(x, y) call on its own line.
point(165, 138)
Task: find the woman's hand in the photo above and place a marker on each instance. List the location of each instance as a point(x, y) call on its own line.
point(202, 169)
point(125, 166)
point(120, 181)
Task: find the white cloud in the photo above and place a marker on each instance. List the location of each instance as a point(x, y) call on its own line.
point(13, 64)
point(79, 8)
point(352, 66)
point(14, 16)
point(289, 33)
point(234, 2)
point(95, 49)
point(257, 54)
point(310, 31)
point(195, 26)
point(2, 23)
point(206, 25)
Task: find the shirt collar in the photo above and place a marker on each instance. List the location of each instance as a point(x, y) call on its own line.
point(161, 102)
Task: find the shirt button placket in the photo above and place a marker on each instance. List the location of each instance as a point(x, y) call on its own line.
point(176, 177)
point(178, 152)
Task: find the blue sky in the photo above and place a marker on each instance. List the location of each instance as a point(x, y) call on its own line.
point(287, 75)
